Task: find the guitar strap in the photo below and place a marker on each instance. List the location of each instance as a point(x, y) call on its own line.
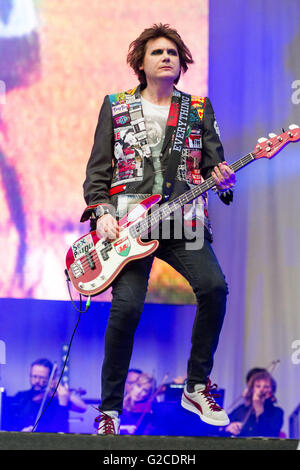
point(175, 151)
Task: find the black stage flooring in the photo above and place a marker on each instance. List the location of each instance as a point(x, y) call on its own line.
point(83, 442)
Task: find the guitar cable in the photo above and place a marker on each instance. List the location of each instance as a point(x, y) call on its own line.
point(88, 303)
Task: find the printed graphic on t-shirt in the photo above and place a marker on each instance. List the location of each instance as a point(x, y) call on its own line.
point(155, 133)
point(155, 122)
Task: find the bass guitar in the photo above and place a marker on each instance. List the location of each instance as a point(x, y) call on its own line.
point(93, 263)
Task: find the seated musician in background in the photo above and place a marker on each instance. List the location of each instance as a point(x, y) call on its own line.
point(137, 404)
point(258, 416)
point(21, 410)
point(249, 375)
point(132, 376)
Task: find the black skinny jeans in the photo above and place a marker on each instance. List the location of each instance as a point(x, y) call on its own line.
point(202, 270)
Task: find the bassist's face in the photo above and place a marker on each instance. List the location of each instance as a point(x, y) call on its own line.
point(161, 60)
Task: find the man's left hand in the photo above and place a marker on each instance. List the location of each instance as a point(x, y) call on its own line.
point(63, 394)
point(223, 176)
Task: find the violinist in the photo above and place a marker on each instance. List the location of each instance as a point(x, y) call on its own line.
point(137, 405)
point(258, 416)
point(23, 409)
point(132, 377)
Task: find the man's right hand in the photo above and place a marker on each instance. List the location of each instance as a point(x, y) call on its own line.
point(107, 227)
point(234, 428)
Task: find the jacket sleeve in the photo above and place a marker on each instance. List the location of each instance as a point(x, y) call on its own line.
point(100, 165)
point(212, 148)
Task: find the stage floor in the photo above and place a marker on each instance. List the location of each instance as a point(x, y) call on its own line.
point(47, 441)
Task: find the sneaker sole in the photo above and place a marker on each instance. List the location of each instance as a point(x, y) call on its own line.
point(213, 422)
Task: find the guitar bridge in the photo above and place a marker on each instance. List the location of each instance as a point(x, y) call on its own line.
point(77, 269)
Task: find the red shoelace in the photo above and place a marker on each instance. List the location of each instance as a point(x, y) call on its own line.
point(106, 424)
point(210, 397)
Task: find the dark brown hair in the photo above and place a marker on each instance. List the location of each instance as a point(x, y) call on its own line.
point(137, 49)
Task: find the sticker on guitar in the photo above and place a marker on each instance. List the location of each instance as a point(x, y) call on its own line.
point(123, 246)
point(82, 246)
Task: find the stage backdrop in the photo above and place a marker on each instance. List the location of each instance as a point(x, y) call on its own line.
point(254, 83)
point(71, 56)
point(58, 61)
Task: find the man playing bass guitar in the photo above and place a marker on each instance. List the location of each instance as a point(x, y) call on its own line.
point(151, 140)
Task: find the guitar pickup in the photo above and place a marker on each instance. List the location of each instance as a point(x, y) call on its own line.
point(90, 261)
point(105, 250)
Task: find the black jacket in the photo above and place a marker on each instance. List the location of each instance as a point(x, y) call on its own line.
point(119, 167)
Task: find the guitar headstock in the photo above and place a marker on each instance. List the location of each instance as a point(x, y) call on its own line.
point(267, 148)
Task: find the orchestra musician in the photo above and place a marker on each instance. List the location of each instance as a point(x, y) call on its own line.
point(22, 410)
point(137, 406)
point(132, 377)
point(258, 416)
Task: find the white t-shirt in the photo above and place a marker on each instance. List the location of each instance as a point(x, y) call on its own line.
point(156, 117)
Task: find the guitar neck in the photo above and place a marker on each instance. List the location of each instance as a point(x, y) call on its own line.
point(168, 208)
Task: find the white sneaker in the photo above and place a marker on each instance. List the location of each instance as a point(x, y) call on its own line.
point(108, 423)
point(202, 402)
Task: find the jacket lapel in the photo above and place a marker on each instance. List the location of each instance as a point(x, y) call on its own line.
point(137, 120)
point(172, 118)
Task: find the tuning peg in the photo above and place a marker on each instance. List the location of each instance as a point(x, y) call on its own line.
point(293, 126)
point(271, 135)
point(261, 140)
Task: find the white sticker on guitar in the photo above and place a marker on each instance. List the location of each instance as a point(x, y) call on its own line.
point(83, 246)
